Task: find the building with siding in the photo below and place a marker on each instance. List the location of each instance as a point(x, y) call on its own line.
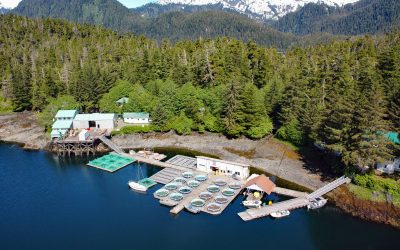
point(95, 120)
point(66, 115)
point(60, 128)
point(140, 118)
point(221, 167)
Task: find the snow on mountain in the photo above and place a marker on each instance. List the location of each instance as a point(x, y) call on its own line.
point(266, 9)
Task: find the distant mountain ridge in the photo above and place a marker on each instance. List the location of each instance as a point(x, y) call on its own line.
point(259, 9)
point(365, 16)
point(172, 25)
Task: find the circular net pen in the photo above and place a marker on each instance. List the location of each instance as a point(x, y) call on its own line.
point(197, 203)
point(185, 190)
point(213, 189)
point(228, 192)
point(200, 177)
point(213, 207)
point(220, 182)
point(193, 183)
point(221, 199)
point(171, 186)
point(206, 195)
point(161, 193)
point(235, 185)
point(187, 175)
point(180, 180)
point(176, 196)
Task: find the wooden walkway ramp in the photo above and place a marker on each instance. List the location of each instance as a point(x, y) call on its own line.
point(254, 213)
point(110, 144)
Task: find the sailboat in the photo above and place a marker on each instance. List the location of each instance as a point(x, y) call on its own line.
point(135, 185)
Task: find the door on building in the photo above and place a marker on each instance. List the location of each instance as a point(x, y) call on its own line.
point(214, 169)
point(92, 124)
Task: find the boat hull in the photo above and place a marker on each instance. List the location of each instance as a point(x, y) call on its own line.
point(280, 214)
point(137, 187)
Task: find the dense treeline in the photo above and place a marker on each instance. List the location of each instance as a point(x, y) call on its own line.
point(172, 25)
point(365, 16)
point(344, 94)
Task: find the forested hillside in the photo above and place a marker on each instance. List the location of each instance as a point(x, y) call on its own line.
point(172, 25)
point(342, 93)
point(365, 16)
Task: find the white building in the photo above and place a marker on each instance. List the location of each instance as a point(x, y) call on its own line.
point(96, 120)
point(389, 167)
point(221, 167)
point(139, 118)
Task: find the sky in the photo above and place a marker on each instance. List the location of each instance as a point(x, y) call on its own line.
point(127, 3)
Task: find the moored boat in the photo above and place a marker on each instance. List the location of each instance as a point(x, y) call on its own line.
point(280, 214)
point(317, 203)
point(137, 187)
point(252, 203)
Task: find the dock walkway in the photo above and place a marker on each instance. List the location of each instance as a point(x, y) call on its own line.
point(254, 213)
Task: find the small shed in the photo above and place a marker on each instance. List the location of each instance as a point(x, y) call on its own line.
point(66, 114)
point(122, 101)
point(140, 118)
point(260, 183)
point(221, 167)
point(60, 128)
point(84, 135)
point(95, 120)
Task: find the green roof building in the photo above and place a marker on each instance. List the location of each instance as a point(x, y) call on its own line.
point(66, 114)
point(60, 128)
point(137, 118)
point(393, 137)
point(122, 101)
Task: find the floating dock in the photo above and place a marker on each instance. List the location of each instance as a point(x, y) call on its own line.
point(166, 175)
point(206, 197)
point(111, 162)
point(183, 161)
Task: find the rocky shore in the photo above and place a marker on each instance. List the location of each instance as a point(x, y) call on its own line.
point(269, 155)
point(24, 129)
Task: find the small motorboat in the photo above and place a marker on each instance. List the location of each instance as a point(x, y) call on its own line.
point(317, 203)
point(252, 203)
point(280, 214)
point(137, 187)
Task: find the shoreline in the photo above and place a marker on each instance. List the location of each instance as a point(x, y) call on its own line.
point(266, 155)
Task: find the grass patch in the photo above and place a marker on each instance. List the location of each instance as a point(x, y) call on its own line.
point(371, 195)
point(247, 154)
point(288, 144)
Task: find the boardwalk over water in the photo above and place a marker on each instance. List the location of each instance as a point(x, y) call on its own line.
point(254, 213)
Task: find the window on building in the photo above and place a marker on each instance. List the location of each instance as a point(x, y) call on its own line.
point(237, 173)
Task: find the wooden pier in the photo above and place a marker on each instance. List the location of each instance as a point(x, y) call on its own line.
point(254, 213)
point(79, 148)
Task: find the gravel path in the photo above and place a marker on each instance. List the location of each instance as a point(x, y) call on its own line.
point(269, 155)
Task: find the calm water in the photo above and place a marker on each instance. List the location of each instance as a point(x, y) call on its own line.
point(46, 203)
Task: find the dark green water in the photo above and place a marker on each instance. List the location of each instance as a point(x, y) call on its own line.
point(46, 203)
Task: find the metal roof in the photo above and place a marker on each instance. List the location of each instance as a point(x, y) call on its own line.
point(393, 136)
point(56, 133)
point(123, 100)
point(95, 117)
point(67, 113)
point(136, 115)
point(62, 124)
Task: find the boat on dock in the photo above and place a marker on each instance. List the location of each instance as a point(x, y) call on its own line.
point(280, 214)
point(317, 203)
point(252, 203)
point(137, 187)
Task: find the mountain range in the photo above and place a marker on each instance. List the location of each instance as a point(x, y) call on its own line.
point(259, 9)
point(268, 22)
